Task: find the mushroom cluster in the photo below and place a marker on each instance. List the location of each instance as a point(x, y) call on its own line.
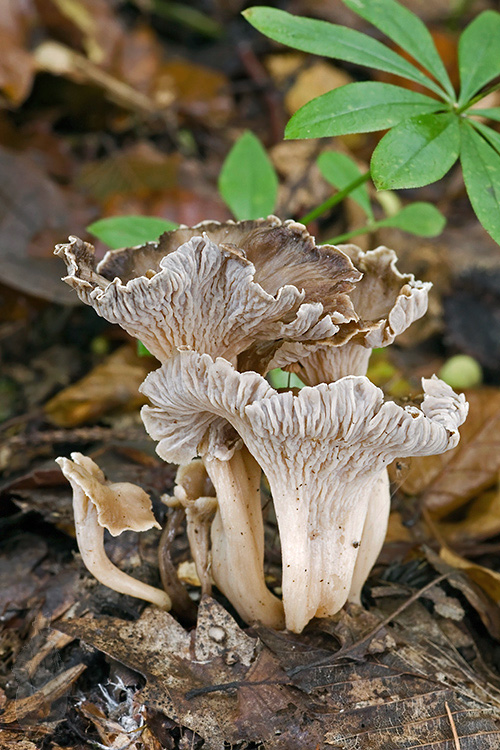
point(220, 305)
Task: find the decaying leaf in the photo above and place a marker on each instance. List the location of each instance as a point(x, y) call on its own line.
point(488, 579)
point(138, 171)
point(112, 384)
point(457, 575)
point(448, 481)
point(59, 59)
point(197, 91)
point(481, 520)
point(290, 692)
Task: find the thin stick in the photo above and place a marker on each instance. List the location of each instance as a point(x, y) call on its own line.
point(453, 727)
point(334, 199)
point(372, 633)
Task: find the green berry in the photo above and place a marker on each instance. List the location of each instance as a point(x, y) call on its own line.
point(461, 372)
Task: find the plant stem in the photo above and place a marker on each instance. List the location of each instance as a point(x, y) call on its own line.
point(348, 235)
point(334, 199)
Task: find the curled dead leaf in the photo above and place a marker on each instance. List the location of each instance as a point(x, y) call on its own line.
point(489, 580)
point(448, 481)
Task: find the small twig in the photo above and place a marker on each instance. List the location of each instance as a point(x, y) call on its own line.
point(342, 653)
point(259, 76)
point(230, 686)
point(182, 604)
point(453, 727)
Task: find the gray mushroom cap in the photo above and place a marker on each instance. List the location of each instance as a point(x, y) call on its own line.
point(238, 290)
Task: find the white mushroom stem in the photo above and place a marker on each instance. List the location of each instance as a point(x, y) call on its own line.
point(373, 535)
point(90, 538)
point(238, 539)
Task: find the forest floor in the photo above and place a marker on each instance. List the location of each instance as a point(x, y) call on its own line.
point(111, 109)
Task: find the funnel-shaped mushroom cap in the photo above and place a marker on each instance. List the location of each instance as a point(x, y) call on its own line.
point(117, 507)
point(321, 451)
point(235, 289)
point(386, 302)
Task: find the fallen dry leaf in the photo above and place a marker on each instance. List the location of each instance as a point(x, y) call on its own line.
point(197, 91)
point(228, 687)
point(17, 67)
point(60, 60)
point(12, 740)
point(114, 383)
point(481, 520)
point(17, 70)
point(488, 579)
point(487, 609)
point(138, 171)
point(18, 562)
point(450, 480)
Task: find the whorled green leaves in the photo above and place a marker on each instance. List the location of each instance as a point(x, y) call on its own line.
point(406, 29)
point(423, 141)
point(331, 40)
point(479, 54)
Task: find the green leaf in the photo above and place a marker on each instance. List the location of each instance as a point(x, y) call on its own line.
point(407, 30)
point(331, 40)
point(416, 152)
point(280, 379)
point(127, 231)
point(358, 108)
point(481, 168)
point(491, 114)
point(479, 54)
point(143, 351)
point(247, 181)
point(491, 135)
point(422, 219)
point(340, 170)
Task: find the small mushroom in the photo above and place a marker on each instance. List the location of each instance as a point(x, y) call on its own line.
point(117, 507)
point(237, 530)
point(322, 451)
point(195, 493)
point(237, 290)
